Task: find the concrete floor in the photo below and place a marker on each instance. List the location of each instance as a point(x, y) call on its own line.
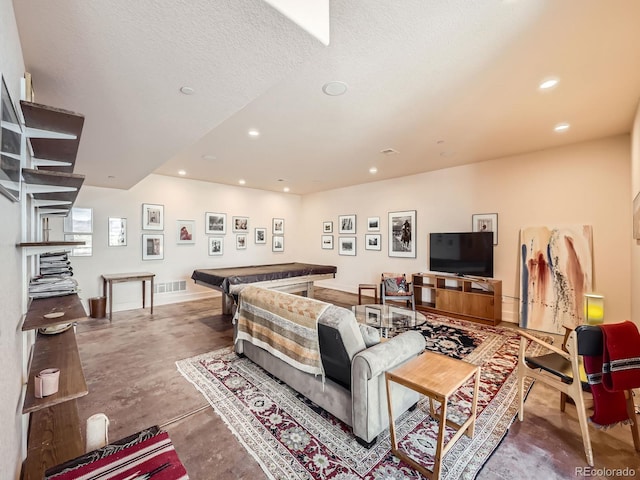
point(130, 369)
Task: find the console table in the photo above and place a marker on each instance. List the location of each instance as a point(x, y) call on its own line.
point(111, 278)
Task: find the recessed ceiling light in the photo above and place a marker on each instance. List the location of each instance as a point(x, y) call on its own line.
point(182, 172)
point(562, 127)
point(548, 83)
point(285, 189)
point(254, 133)
point(187, 90)
point(111, 177)
point(373, 170)
point(208, 157)
point(335, 88)
point(388, 151)
point(242, 181)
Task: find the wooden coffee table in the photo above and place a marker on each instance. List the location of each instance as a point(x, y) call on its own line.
point(438, 377)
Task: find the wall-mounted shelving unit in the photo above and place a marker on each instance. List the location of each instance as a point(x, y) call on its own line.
point(53, 137)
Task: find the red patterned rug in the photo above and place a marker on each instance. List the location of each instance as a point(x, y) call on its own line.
point(293, 438)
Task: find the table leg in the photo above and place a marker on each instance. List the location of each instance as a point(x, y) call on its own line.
point(392, 427)
point(151, 295)
point(474, 405)
point(110, 300)
point(144, 289)
point(441, 431)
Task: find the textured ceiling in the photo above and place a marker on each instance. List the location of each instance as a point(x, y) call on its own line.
point(441, 82)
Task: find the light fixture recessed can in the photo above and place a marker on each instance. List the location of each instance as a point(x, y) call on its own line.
point(335, 88)
point(182, 172)
point(242, 181)
point(254, 133)
point(548, 83)
point(562, 127)
point(208, 157)
point(187, 90)
point(285, 189)
point(373, 170)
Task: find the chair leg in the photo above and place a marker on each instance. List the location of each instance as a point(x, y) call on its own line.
point(631, 410)
point(563, 401)
point(582, 418)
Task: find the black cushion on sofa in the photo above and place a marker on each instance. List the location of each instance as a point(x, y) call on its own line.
point(335, 360)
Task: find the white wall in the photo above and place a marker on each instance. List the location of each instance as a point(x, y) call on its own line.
point(11, 337)
point(586, 183)
point(635, 244)
point(183, 199)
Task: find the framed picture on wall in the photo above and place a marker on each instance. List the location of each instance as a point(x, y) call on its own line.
point(152, 216)
point(260, 235)
point(327, 227)
point(241, 241)
point(152, 247)
point(117, 232)
point(216, 245)
point(278, 226)
point(486, 222)
point(373, 224)
point(373, 241)
point(347, 246)
point(240, 224)
point(215, 223)
point(327, 242)
point(277, 243)
point(347, 224)
point(402, 234)
point(186, 231)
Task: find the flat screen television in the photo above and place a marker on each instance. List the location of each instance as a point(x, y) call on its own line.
point(464, 253)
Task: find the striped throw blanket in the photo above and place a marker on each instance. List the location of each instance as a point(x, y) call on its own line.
point(284, 325)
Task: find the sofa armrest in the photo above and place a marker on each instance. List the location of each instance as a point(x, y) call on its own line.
point(375, 360)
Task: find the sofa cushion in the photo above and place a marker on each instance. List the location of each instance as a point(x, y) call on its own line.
point(370, 335)
point(340, 340)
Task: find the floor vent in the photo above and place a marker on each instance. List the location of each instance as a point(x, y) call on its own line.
point(170, 287)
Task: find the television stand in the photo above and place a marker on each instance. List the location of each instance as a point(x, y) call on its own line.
point(470, 298)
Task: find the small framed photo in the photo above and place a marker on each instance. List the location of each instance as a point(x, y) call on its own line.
point(278, 226)
point(241, 241)
point(278, 243)
point(117, 232)
point(215, 223)
point(347, 224)
point(373, 224)
point(152, 247)
point(240, 224)
point(373, 241)
point(327, 227)
point(327, 242)
point(260, 235)
point(402, 317)
point(402, 234)
point(486, 222)
point(216, 245)
point(152, 216)
point(186, 231)
point(372, 316)
point(347, 246)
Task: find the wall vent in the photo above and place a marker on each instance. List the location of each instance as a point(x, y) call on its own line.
point(170, 287)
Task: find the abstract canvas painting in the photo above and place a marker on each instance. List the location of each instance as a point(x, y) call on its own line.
point(556, 268)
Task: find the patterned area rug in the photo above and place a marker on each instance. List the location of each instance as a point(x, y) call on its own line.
point(292, 438)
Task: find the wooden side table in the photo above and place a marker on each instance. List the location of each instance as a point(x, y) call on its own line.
point(367, 286)
point(111, 278)
point(438, 377)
